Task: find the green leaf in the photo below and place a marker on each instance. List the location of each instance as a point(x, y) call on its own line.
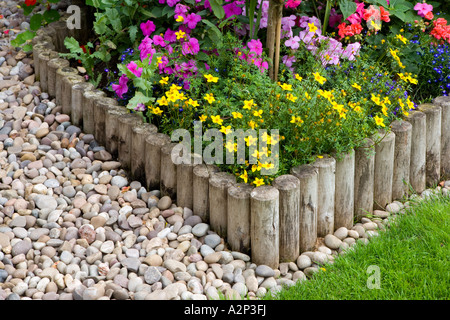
point(214, 32)
point(28, 35)
point(99, 24)
point(399, 14)
point(27, 9)
point(132, 30)
point(114, 19)
point(216, 6)
point(53, 1)
point(202, 56)
point(139, 97)
point(167, 11)
point(28, 47)
point(35, 21)
point(73, 45)
point(51, 15)
point(347, 8)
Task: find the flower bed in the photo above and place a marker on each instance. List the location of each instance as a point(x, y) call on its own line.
point(330, 97)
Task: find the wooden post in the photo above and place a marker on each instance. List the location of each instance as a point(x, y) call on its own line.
point(138, 135)
point(344, 190)
point(113, 114)
point(48, 30)
point(61, 33)
point(364, 179)
point(126, 124)
point(185, 181)
point(88, 109)
point(153, 144)
point(444, 103)
point(238, 217)
point(417, 173)
point(402, 159)
point(78, 90)
point(168, 183)
point(60, 74)
point(264, 204)
point(101, 105)
point(37, 49)
point(201, 175)
point(309, 197)
point(433, 160)
point(52, 66)
point(289, 216)
point(325, 209)
point(219, 183)
point(44, 58)
point(383, 169)
point(66, 93)
point(273, 35)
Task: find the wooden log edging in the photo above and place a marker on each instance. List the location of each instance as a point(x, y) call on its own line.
point(88, 109)
point(101, 106)
point(52, 66)
point(384, 168)
point(138, 136)
point(185, 180)
point(66, 92)
point(418, 142)
point(219, 183)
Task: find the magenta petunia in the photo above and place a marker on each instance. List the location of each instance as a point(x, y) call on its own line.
point(159, 41)
point(121, 88)
point(146, 48)
point(132, 66)
point(292, 3)
point(232, 9)
point(170, 36)
point(172, 3)
point(147, 27)
point(192, 19)
point(190, 47)
point(423, 8)
point(255, 46)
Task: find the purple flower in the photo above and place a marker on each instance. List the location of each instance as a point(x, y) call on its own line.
point(192, 19)
point(146, 48)
point(190, 47)
point(121, 88)
point(181, 9)
point(231, 9)
point(288, 61)
point(255, 46)
point(132, 66)
point(170, 36)
point(147, 27)
point(140, 107)
point(351, 50)
point(293, 43)
point(159, 41)
point(172, 3)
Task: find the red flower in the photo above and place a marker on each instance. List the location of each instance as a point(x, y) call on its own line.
point(384, 15)
point(30, 2)
point(351, 30)
point(429, 15)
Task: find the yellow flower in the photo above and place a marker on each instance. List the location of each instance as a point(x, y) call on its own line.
point(193, 103)
point(216, 119)
point(180, 34)
point(410, 104)
point(312, 27)
point(252, 124)
point(291, 97)
point(258, 113)
point(250, 140)
point(164, 80)
point(209, 97)
point(237, 115)
point(296, 120)
point(248, 104)
point(320, 157)
point(157, 111)
point(307, 96)
point(267, 165)
point(357, 109)
point(203, 118)
point(180, 18)
point(401, 38)
point(376, 99)
point(211, 78)
point(326, 94)
point(230, 146)
point(319, 78)
point(400, 102)
point(258, 182)
point(174, 87)
point(244, 176)
point(162, 101)
point(226, 130)
point(355, 85)
point(379, 121)
point(285, 86)
point(297, 76)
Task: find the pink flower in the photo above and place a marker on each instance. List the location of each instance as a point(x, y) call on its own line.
point(351, 50)
point(423, 8)
point(147, 27)
point(190, 47)
point(255, 46)
point(288, 61)
point(170, 36)
point(159, 41)
point(292, 3)
point(192, 19)
point(132, 66)
point(354, 18)
point(122, 87)
point(293, 43)
point(231, 9)
point(146, 48)
point(172, 3)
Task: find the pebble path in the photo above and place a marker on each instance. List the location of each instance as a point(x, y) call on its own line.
point(73, 227)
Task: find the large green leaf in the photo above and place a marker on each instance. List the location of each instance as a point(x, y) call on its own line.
point(347, 8)
point(114, 19)
point(132, 30)
point(51, 15)
point(214, 32)
point(216, 6)
point(35, 21)
point(73, 45)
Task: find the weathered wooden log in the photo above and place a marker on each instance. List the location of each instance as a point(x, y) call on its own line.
point(53, 65)
point(101, 105)
point(44, 58)
point(238, 217)
point(364, 179)
point(344, 190)
point(201, 175)
point(37, 49)
point(326, 181)
point(433, 160)
point(138, 136)
point(185, 181)
point(402, 159)
point(309, 195)
point(444, 103)
point(289, 216)
point(153, 144)
point(66, 92)
point(113, 114)
point(265, 234)
point(78, 90)
point(126, 124)
point(61, 73)
point(383, 169)
point(417, 173)
point(48, 30)
point(168, 183)
point(218, 192)
point(61, 32)
point(88, 109)
point(43, 38)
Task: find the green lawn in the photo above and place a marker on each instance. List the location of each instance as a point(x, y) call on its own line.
point(412, 257)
